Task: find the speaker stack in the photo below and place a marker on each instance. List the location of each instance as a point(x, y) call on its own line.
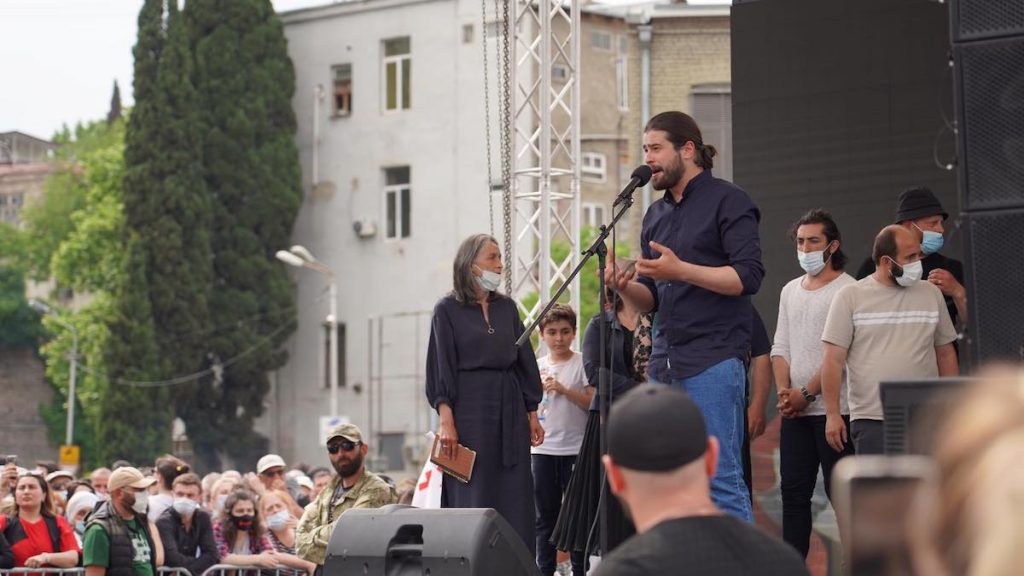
point(988, 56)
point(401, 540)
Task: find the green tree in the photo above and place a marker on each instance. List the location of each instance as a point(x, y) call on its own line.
point(167, 205)
point(245, 82)
point(134, 421)
point(115, 105)
point(19, 324)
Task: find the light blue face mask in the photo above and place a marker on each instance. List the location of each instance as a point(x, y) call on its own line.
point(80, 527)
point(489, 281)
point(931, 242)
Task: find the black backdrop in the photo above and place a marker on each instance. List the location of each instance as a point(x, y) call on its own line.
point(839, 104)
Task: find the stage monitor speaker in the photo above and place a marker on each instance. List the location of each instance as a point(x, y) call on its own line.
point(978, 19)
point(401, 541)
point(990, 110)
point(994, 244)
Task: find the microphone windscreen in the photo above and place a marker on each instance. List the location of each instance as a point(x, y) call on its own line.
point(642, 173)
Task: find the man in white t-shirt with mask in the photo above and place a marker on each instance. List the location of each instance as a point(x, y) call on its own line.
point(563, 414)
point(796, 363)
point(888, 326)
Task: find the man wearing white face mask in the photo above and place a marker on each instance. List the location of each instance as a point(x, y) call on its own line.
point(186, 530)
point(796, 363)
point(920, 211)
point(118, 540)
point(888, 326)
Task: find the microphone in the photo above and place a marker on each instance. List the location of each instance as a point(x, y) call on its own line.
point(637, 179)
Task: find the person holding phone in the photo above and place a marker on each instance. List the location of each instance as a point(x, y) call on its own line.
point(485, 389)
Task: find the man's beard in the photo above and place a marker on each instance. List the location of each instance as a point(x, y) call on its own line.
point(669, 176)
point(347, 469)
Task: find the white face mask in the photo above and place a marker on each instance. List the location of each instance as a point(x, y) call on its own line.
point(912, 272)
point(812, 262)
point(278, 520)
point(185, 506)
point(141, 502)
point(489, 281)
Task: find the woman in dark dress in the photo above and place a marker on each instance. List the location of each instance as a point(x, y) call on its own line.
point(628, 346)
point(485, 390)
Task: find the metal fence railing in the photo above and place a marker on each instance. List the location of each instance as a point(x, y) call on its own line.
point(231, 569)
point(215, 570)
point(77, 571)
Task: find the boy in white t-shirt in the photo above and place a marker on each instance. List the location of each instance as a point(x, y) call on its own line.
point(563, 414)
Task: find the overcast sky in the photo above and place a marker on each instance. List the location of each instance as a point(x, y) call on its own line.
point(59, 59)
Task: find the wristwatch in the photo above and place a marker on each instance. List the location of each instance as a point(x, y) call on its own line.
point(807, 395)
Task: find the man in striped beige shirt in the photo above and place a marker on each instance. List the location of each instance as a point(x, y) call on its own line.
point(888, 326)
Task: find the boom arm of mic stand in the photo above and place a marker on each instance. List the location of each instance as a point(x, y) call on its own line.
point(587, 255)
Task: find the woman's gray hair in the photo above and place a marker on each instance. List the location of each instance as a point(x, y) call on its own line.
point(464, 283)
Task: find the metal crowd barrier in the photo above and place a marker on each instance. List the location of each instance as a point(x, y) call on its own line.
point(77, 571)
point(229, 569)
point(215, 570)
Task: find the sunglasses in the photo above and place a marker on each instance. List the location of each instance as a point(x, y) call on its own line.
point(273, 473)
point(347, 446)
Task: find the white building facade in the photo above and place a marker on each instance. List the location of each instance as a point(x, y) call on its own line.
point(395, 171)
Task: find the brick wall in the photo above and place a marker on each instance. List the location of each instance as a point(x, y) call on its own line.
point(22, 391)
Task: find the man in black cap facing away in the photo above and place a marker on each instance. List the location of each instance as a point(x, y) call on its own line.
point(918, 210)
point(660, 461)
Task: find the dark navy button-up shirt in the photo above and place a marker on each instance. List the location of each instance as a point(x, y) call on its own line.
point(715, 224)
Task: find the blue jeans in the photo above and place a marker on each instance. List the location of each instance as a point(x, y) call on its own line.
point(718, 392)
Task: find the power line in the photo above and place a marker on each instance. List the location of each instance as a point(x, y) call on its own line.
point(189, 377)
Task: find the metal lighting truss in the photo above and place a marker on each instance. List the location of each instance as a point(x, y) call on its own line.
point(546, 171)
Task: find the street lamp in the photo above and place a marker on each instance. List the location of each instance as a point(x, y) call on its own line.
point(42, 308)
point(300, 257)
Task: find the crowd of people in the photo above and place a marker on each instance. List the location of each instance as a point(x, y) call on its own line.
point(689, 366)
point(128, 521)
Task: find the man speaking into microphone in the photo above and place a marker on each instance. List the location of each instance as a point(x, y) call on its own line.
point(701, 261)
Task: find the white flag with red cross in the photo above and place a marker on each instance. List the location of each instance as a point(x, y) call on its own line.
point(428, 485)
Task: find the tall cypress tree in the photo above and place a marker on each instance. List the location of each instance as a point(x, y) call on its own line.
point(176, 229)
point(115, 105)
point(134, 422)
point(245, 82)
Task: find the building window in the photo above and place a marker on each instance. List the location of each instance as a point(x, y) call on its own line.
point(342, 74)
point(559, 72)
point(593, 167)
point(712, 109)
point(327, 355)
point(397, 203)
point(494, 29)
point(397, 73)
point(601, 40)
point(621, 83)
point(467, 33)
point(592, 215)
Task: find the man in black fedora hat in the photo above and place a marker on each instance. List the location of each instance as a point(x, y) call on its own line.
point(918, 210)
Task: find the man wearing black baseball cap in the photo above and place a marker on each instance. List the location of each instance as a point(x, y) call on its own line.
point(920, 211)
point(660, 462)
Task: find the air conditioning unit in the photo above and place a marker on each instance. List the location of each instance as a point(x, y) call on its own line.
point(365, 228)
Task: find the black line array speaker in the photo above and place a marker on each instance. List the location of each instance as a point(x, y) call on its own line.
point(988, 58)
point(990, 102)
point(404, 541)
point(995, 283)
point(978, 19)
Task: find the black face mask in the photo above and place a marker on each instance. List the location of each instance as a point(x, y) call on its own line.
point(242, 522)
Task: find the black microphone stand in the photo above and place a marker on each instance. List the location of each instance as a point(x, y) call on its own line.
point(604, 376)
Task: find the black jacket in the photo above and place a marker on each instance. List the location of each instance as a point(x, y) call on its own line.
point(122, 553)
point(6, 554)
point(181, 546)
